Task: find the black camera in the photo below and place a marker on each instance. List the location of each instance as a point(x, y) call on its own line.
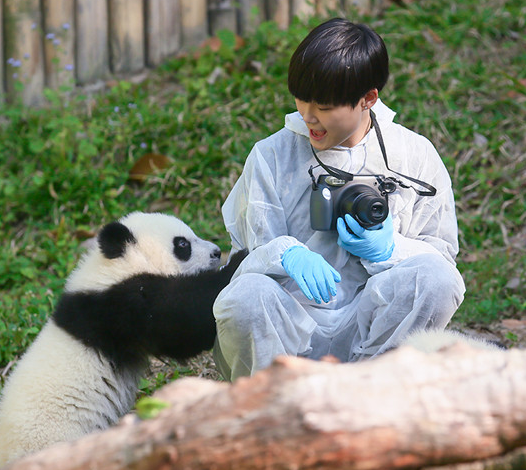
point(364, 197)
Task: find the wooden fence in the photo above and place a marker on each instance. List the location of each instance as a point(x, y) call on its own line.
point(48, 43)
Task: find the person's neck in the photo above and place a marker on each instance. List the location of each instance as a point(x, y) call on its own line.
point(362, 131)
point(368, 124)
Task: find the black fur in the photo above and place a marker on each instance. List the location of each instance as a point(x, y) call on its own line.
point(182, 248)
point(113, 239)
point(147, 314)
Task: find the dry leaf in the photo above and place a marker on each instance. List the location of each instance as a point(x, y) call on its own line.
point(147, 165)
point(84, 234)
point(518, 91)
point(214, 44)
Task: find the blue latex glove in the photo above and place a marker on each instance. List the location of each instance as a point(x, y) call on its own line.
point(373, 244)
point(315, 277)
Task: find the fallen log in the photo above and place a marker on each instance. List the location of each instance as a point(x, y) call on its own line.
point(405, 409)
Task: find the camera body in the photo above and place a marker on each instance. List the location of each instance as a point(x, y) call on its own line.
point(364, 197)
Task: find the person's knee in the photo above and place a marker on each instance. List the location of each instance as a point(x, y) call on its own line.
point(237, 304)
point(443, 278)
point(247, 316)
point(438, 282)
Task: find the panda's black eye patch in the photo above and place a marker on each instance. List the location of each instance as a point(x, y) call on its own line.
point(182, 248)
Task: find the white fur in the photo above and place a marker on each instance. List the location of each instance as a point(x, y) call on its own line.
point(153, 253)
point(429, 341)
point(61, 390)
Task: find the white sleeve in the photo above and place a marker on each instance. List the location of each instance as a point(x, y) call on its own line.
point(255, 219)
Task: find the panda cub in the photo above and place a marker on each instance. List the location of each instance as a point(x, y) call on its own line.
point(147, 288)
point(430, 341)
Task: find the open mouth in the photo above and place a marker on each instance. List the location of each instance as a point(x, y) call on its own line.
point(317, 135)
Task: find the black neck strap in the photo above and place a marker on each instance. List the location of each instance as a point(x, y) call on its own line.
point(343, 175)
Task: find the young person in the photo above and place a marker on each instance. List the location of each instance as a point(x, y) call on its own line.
point(352, 292)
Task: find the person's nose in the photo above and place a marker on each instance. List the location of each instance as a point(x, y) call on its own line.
point(309, 114)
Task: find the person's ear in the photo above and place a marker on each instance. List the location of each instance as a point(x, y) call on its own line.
point(370, 99)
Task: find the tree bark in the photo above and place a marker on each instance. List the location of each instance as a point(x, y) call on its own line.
point(403, 410)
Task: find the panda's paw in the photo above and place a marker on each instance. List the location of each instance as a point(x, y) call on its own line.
point(234, 262)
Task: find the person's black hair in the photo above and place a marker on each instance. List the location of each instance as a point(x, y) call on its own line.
point(338, 63)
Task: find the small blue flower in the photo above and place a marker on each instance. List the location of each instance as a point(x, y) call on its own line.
point(50, 36)
point(144, 145)
point(56, 41)
point(26, 55)
point(132, 106)
point(33, 26)
point(116, 109)
point(10, 61)
point(69, 67)
point(66, 26)
point(16, 63)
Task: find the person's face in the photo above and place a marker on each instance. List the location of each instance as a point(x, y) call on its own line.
point(330, 126)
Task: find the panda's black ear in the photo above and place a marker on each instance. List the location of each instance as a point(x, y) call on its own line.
point(113, 239)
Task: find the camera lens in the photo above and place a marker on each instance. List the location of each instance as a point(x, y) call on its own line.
point(377, 209)
point(365, 204)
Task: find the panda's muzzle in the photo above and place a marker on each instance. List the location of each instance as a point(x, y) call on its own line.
point(215, 254)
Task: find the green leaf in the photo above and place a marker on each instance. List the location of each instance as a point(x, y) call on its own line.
point(150, 407)
point(227, 37)
point(87, 149)
point(37, 146)
point(29, 272)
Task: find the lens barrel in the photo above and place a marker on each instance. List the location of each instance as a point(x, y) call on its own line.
point(364, 203)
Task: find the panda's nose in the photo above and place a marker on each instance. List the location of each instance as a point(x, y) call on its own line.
point(215, 254)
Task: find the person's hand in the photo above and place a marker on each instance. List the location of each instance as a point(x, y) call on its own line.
point(373, 244)
point(315, 277)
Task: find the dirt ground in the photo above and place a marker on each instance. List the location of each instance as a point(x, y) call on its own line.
point(507, 333)
point(510, 333)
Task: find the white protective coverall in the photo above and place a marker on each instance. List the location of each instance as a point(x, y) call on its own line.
point(262, 313)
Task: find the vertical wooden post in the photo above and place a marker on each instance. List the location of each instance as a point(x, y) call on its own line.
point(326, 7)
point(163, 29)
point(126, 19)
point(59, 42)
point(222, 15)
point(279, 11)
point(92, 41)
point(250, 14)
point(303, 8)
point(195, 24)
point(24, 50)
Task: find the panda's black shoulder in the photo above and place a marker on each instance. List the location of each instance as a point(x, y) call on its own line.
point(147, 314)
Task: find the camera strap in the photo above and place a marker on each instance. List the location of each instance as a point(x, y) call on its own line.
point(431, 190)
point(345, 176)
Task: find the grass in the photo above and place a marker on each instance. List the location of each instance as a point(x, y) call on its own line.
point(458, 77)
